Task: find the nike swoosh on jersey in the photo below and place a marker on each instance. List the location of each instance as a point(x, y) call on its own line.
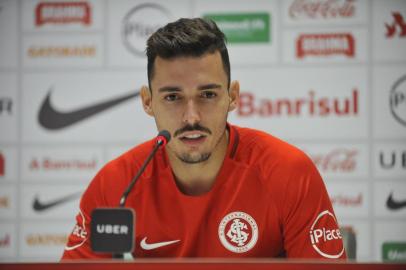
point(41, 206)
point(52, 119)
point(394, 205)
point(147, 246)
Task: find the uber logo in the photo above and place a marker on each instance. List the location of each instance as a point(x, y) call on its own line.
point(112, 229)
point(392, 159)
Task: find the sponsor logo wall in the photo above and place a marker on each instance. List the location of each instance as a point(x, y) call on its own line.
point(327, 76)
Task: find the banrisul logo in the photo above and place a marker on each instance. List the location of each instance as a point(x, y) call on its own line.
point(394, 251)
point(244, 27)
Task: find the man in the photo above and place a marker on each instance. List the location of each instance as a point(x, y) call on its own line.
point(215, 190)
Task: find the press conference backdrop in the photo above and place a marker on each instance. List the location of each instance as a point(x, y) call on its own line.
point(326, 75)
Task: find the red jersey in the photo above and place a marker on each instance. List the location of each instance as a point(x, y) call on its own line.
point(268, 200)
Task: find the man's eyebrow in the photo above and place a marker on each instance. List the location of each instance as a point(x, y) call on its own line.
point(209, 86)
point(178, 89)
point(169, 89)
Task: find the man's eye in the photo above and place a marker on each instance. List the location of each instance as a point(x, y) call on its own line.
point(171, 97)
point(209, 94)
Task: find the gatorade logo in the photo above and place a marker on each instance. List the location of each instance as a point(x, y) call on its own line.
point(325, 236)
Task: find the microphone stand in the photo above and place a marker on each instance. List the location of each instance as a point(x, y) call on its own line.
point(162, 139)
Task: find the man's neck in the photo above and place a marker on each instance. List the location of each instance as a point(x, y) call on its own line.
point(197, 179)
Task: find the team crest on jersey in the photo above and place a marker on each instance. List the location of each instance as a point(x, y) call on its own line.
point(238, 232)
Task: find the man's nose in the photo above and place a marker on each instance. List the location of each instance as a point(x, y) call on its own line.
point(191, 115)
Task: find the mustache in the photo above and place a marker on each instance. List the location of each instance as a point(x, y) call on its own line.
point(192, 128)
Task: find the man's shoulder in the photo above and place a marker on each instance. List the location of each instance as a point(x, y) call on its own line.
point(259, 146)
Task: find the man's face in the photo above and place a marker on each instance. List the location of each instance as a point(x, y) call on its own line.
point(190, 99)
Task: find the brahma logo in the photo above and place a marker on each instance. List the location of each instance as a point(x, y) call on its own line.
point(398, 26)
point(397, 100)
point(325, 236)
point(323, 9)
point(62, 13)
point(325, 45)
point(311, 105)
point(139, 23)
point(238, 232)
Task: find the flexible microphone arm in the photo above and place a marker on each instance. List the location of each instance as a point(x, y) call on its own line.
point(161, 140)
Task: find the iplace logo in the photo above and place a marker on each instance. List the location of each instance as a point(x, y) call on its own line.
point(323, 235)
point(397, 100)
point(139, 23)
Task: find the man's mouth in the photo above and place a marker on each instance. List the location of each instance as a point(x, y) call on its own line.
point(192, 138)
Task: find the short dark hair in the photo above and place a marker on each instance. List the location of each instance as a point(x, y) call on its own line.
point(187, 37)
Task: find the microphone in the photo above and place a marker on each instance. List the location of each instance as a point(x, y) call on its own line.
point(112, 229)
point(161, 140)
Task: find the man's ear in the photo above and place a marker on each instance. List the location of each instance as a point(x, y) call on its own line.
point(146, 98)
point(234, 95)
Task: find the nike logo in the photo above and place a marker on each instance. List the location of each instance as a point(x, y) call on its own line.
point(52, 119)
point(394, 205)
point(41, 206)
point(147, 246)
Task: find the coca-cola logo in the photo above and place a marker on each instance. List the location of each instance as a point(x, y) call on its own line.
point(312, 105)
point(322, 9)
point(337, 160)
point(325, 45)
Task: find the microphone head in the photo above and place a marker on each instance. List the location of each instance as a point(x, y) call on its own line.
point(163, 137)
